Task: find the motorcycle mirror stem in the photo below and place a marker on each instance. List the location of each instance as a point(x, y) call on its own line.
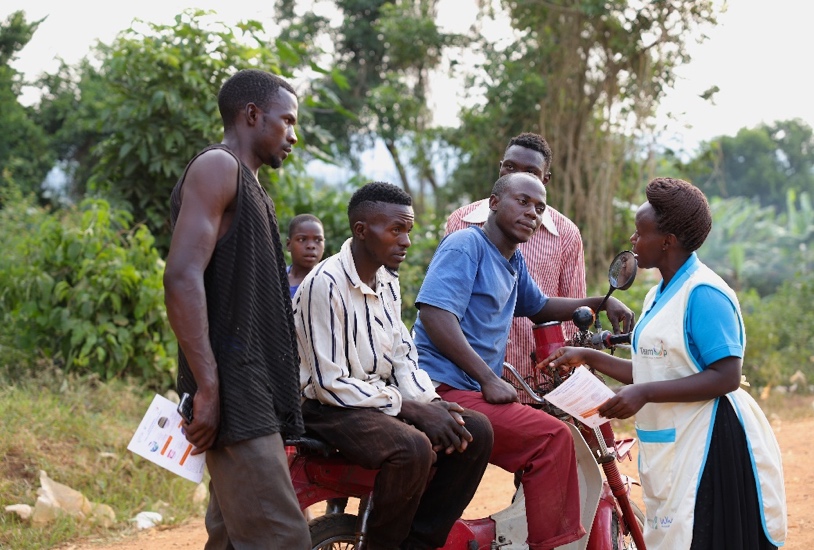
point(621, 274)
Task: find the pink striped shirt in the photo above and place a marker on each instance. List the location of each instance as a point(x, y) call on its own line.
point(556, 262)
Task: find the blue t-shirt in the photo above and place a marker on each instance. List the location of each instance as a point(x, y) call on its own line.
point(470, 278)
point(292, 289)
point(712, 322)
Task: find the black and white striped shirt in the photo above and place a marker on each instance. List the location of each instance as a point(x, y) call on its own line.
point(354, 349)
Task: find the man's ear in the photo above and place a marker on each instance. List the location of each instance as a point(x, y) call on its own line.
point(359, 229)
point(288, 244)
point(493, 200)
point(252, 113)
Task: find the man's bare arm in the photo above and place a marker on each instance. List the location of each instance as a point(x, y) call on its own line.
point(445, 332)
point(209, 190)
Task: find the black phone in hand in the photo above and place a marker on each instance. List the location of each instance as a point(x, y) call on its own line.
point(185, 407)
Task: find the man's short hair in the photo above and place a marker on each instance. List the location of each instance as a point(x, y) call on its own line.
point(377, 191)
point(300, 219)
point(248, 86)
point(535, 142)
point(503, 182)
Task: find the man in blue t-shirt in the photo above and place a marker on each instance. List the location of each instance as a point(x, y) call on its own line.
point(477, 281)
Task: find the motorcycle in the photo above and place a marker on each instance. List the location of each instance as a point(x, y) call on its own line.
point(616, 513)
point(319, 472)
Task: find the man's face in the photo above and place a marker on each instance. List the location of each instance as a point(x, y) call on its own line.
point(306, 244)
point(519, 209)
point(518, 159)
point(277, 134)
point(387, 234)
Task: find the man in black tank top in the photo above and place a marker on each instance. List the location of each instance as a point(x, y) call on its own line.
point(228, 303)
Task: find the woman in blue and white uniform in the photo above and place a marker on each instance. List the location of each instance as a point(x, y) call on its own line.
point(708, 461)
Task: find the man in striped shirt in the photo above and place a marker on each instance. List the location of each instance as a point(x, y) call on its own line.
point(364, 392)
point(554, 254)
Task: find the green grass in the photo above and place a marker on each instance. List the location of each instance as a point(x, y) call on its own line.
point(77, 430)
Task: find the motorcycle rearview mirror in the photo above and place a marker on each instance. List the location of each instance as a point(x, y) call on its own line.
point(622, 271)
point(621, 275)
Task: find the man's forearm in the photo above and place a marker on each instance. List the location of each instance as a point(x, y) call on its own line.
point(187, 314)
point(562, 309)
point(444, 330)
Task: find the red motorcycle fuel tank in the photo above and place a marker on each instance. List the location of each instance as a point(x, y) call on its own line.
point(548, 338)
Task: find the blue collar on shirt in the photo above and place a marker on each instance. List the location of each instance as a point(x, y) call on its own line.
point(663, 295)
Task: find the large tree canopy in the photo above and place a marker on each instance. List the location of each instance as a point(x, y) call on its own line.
point(129, 123)
point(586, 74)
point(762, 163)
point(384, 51)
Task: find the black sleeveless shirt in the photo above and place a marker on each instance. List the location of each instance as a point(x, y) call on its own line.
point(251, 325)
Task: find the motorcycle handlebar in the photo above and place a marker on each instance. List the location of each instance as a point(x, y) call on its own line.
point(610, 339)
point(523, 383)
point(601, 340)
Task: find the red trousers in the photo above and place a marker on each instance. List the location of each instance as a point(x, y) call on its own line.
point(542, 446)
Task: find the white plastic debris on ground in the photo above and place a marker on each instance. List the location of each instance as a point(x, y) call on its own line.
point(147, 520)
point(55, 499)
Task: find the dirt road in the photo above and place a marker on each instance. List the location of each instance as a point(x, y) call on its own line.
point(496, 490)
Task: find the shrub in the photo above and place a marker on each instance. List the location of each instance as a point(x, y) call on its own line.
point(83, 287)
point(779, 332)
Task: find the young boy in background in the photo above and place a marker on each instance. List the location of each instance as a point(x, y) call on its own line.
point(306, 243)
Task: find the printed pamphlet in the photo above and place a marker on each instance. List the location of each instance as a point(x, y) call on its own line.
point(581, 395)
point(160, 438)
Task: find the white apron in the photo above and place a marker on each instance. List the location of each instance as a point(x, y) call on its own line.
point(674, 437)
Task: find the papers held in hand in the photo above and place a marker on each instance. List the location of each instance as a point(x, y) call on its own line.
point(160, 438)
point(581, 395)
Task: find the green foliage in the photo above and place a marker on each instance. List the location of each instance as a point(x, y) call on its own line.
point(764, 163)
point(161, 106)
point(84, 287)
point(25, 154)
point(130, 126)
point(77, 430)
point(384, 53)
point(779, 332)
point(752, 247)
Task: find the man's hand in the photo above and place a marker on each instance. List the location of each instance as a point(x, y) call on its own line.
point(205, 421)
point(619, 314)
point(497, 391)
point(441, 422)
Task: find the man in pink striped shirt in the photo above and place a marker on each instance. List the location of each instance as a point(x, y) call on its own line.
point(554, 254)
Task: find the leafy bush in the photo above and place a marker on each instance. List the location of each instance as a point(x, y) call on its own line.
point(779, 333)
point(82, 286)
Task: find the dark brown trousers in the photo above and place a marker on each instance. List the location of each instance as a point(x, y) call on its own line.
point(412, 506)
point(252, 504)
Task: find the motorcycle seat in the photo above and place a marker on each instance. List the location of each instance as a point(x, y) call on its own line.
point(306, 444)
